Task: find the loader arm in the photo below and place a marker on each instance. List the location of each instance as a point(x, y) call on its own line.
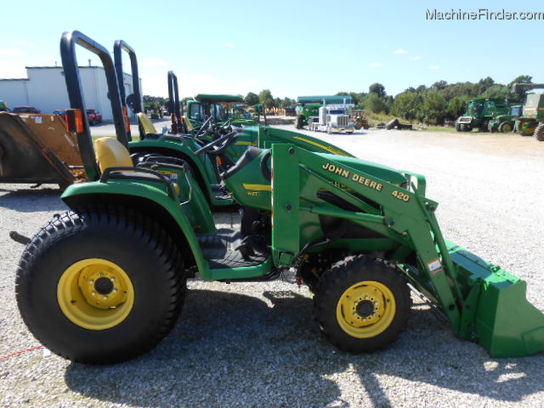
point(477, 297)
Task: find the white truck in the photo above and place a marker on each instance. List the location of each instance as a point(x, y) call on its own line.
point(332, 119)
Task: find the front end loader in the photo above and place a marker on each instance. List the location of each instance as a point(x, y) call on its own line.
point(105, 281)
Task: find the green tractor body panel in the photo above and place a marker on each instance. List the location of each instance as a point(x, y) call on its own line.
point(3, 106)
point(269, 136)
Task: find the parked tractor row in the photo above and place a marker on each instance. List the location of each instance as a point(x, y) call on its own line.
point(105, 281)
point(500, 115)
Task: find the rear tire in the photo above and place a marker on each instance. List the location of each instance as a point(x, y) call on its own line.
point(100, 286)
point(362, 304)
point(539, 132)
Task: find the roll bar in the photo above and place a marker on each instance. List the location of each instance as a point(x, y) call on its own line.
point(68, 43)
point(136, 97)
point(174, 106)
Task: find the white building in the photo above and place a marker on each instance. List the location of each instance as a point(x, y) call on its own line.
point(45, 89)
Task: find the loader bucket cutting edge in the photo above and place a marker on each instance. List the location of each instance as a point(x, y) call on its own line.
point(504, 321)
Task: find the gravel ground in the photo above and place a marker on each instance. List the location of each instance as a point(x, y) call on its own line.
point(256, 345)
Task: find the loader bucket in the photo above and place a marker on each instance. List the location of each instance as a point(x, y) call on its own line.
point(25, 157)
point(499, 316)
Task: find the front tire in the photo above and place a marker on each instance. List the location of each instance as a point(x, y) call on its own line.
point(362, 304)
point(100, 286)
point(506, 127)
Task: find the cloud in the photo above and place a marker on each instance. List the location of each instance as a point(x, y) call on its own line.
point(434, 67)
point(229, 45)
point(376, 65)
point(11, 52)
point(400, 51)
point(154, 62)
point(416, 58)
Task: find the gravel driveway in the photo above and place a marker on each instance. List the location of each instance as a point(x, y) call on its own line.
point(256, 345)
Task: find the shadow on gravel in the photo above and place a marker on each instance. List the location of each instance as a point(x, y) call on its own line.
point(29, 200)
point(237, 351)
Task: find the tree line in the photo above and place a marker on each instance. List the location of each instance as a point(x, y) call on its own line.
point(437, 103)
point(431, 105)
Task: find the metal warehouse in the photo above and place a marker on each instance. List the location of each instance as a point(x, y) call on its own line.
point(45, 89)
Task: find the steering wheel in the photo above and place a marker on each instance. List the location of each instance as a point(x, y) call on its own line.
point(223, 142)
point(204, 126)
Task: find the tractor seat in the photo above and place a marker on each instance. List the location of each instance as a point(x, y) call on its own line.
point(147, 125)
point(111, 153)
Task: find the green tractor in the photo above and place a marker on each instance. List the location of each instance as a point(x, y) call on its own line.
point(531, 121)
point(3, 106)
point(106, 281)
point(504, 123)
point(308, 107)
point(223, 109)
point(479, 112)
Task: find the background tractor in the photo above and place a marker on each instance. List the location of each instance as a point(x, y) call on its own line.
point(105, 281)
point(505, 123)
point(531, 121)
point(479, 112)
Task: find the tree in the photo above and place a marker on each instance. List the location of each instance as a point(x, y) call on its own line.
point(439, 85)
point(266, 98)
point(434, 108)
point(377, 89)
point(456, 107)
point(497, 91)
point(407, 105)
point(375, 103)
point(522, 79)
point(251, 99)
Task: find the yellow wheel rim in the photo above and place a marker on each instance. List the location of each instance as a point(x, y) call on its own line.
point(366, 309)
point(507, 128)
point(95, 294)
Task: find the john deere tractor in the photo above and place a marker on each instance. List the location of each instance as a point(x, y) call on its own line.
point(223, 108)
point(531, 121)
point(479, 112)
point(504, 123)
point(105, 281)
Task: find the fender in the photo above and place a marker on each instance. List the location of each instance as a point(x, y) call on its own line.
point(156, 196)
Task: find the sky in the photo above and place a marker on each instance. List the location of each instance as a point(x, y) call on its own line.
point(291, 47)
